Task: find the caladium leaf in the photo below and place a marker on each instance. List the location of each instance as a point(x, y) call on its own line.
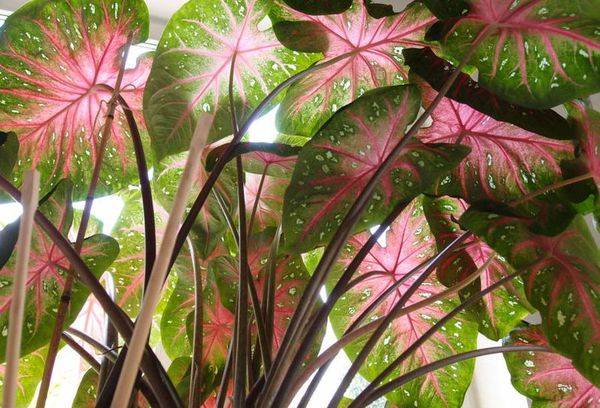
point(588, 132)
point(499, 311)
point(9, 151)
point(548, 379)
point(334, 167)
point(506, 162)
point(436, 71)
point(8, 239)
point(192, 69)
point(536, 53)
point(407, 244)
point(31, 368)
point(562, 280)
point(47, 272)
point(53, 86)
point(374, 59)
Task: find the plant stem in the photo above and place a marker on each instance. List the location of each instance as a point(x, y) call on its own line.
point(81, 351)
point(551, 187)
point(161, 384)
point(321, 317)
point(414, 346)
point(65, 299)
point(382, 327)
point(161, 266)
point(111, 355)
point(194, 399)
point(29, 202)
point(111, 339)
point(311, 292)
point(257, 199)
point(403, 379)
point(326, 356)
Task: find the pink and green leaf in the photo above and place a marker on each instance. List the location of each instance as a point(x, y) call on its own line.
point(562, 280)
point(57, 59)
point(192, 67)
point(31, 368)
point(499, 311)
point(373, 50)
point(536, 53)
point(505, 163)
point(408, 243)
point(270, 201)
point(436, 71)
point(334, 167)
point(47, 273)
point(547, 378)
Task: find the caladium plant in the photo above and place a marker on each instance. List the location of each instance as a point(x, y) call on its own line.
point(434, 178)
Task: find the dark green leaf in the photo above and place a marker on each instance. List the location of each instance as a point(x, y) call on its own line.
point(320, 7)
point(447, 8)
point(9, 152)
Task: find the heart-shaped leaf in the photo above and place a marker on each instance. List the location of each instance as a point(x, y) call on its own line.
point(47, 272)
point(548, 379)
point(56, 60)
point(373, 50)
point(536, 53)
point(562, 280)
point(436, 71)
point(506, 162)
point(407, 244)
point(501, 310)
point(31, 368)
point(193, 63)
point(334, 167)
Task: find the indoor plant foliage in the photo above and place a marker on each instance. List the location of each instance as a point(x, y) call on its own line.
point(436, 172)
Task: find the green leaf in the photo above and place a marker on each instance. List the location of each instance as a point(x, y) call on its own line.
point(31, 368)
point(47, 271)
point(373, 59)
point(536, 53)
point(500, 311)
point(8, 239)
point(9, 152)
point(548, 379)
point(436, 71)
point(87, 390)
point(191, 70)
point(562, 280)
point(57, 58)
point(334, 167)
point(320, 7)
point(408, 243)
